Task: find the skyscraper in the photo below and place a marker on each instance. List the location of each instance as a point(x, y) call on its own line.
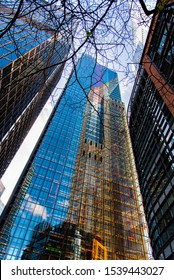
point(31, 58)
point(151, 122)
point(78, 196)
point(139, 30)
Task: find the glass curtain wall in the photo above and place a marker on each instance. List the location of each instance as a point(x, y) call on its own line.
point(78, 196)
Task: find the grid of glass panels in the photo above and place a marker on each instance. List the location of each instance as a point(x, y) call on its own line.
point(77, 199)
point(104, 198)
point(161, 50)
point(152, 133)
point(27, 51)
point(19, 40)
point(47, 192)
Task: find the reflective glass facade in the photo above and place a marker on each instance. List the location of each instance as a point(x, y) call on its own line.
point(78, 197)
point(30, 67)
point(162, 45)
point(151, 123)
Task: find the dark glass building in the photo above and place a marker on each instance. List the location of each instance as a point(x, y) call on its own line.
point(78, 197)
point(151, 123)
point(30, 67)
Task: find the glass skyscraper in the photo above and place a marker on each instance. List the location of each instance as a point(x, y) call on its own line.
point(78, 196)
point(31, 65)
point(151, 122)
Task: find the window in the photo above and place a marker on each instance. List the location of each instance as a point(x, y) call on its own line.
point(161, 49)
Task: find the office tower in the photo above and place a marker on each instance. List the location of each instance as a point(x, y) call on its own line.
point(78, 196)
point(140, 27)
point(151, 123)
point(31, 58)
point(2, 188)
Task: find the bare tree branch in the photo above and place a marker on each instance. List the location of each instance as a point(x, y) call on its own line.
point(10, 24)
point(147, 12)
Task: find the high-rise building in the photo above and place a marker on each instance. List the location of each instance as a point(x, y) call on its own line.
point(78, 196)
point(30, 67)
point(151, 123)
point(140, 27)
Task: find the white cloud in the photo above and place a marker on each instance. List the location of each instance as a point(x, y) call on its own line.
point(63, 202)
point(13, 172)
point(66, 203)
point(35, 208)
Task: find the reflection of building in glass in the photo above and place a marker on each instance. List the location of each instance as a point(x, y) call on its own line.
point(83, 180)
point(30, 67)
point(63, 242)
point(2, 188)
point(16, 196)
point(151, 122)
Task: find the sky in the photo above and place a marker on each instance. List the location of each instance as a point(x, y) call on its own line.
point(13, 172)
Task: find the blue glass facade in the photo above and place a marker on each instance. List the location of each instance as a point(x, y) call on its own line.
point(31, 64)
point(63, 205)
point(9, 50)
